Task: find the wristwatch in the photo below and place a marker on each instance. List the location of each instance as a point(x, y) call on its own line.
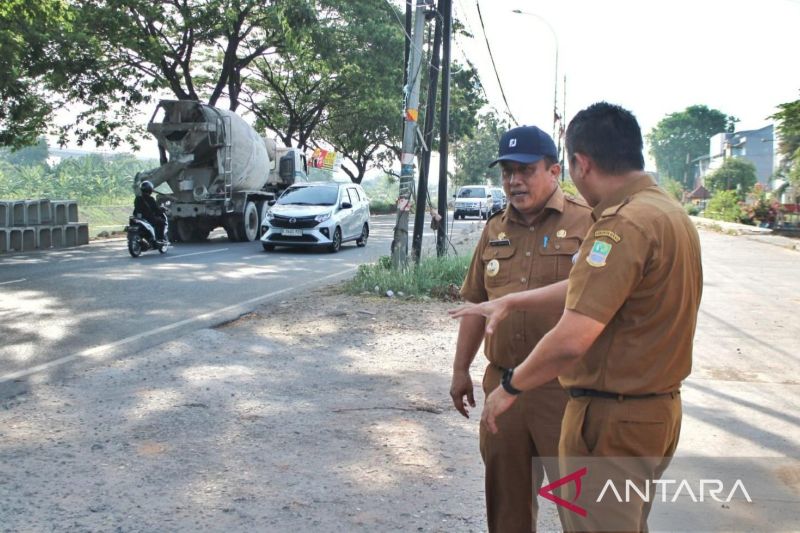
point(508, 373)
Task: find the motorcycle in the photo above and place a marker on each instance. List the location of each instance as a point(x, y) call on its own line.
point(142, 236)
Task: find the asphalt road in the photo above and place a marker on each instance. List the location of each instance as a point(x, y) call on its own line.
point(68, 307)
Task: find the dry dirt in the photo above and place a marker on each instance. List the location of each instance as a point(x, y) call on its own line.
point(323, 413)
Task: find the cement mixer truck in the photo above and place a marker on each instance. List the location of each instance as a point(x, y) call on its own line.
point(220, 172)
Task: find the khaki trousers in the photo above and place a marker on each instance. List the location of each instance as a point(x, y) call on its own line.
point(529, 430)
point(632, 439)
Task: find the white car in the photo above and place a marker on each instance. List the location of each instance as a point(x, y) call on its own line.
point(322, 214)
point(473, 200)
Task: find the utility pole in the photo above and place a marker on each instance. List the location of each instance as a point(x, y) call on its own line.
point(400, 241)
point(427, 137)
point(446, 10)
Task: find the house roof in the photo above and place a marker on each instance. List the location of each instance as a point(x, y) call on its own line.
point(700, 193)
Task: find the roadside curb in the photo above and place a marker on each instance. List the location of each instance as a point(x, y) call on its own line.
point(753, 233)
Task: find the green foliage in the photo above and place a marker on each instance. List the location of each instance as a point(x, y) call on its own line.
point(788, 131)
point(30, 155)
point(683, 136)
point(691, 209)
point(673, 187)
point(724, 205)
point(27, 31)
point(473, 154)
point(735, 174)
point(434, 277)
point(568, 186)
point(91, 179)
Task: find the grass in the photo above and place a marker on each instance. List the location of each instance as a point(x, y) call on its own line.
point(433, 278)
point(105, 218)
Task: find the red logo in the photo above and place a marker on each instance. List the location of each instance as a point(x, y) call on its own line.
point(547, 491)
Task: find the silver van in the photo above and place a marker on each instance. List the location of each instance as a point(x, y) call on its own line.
point(323, 214)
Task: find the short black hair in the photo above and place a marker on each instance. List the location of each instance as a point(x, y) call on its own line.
point(610, 135)
point(549, 161)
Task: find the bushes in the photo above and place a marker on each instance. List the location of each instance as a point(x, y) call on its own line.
point(434, 277)
point(724, 205)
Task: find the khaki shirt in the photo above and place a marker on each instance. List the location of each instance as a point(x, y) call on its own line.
point(639, 272)
point(535, 255)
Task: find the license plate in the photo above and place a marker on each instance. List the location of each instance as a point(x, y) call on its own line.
point(292, 232)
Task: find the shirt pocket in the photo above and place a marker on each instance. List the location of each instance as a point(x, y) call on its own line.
point(555, 261)
point(497, 260)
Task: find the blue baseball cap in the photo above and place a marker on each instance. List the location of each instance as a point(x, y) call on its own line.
point(525, 144)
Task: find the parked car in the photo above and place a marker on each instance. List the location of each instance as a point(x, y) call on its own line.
point(324, 214)
point(498, 200)
point(473, 200)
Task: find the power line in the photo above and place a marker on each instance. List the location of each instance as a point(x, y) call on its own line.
point(494, 66)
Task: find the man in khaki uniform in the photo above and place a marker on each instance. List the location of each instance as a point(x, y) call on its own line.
point(624, 343)
point(529, 244)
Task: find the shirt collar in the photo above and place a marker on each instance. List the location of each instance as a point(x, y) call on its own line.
point(639, 183)
point(555, 202)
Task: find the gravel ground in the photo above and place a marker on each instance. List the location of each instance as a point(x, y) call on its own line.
point(322, 413)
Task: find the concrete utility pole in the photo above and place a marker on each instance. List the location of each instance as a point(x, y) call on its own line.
point(400, 241)
point(427, 137)
point(446, 9)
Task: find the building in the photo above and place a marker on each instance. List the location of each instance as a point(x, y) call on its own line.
point(756, 146)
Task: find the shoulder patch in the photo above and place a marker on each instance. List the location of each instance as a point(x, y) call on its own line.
point(607, 233)
point(598, 254)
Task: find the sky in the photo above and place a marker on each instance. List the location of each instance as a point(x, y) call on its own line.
point(652, 57)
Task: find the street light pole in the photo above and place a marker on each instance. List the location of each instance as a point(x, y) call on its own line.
point(555, 76)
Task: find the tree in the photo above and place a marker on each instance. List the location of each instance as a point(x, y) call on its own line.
point(363, 121)
point(473, 154)
point(683, 136)
point(789, 133)
point(30, 155)
point(27, 31)
point(735, 174)
point(673, 187)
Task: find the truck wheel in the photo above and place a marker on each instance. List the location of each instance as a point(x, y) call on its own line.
point(248, 225)
point(200, 234)
point(232, 231)
point(184, 230)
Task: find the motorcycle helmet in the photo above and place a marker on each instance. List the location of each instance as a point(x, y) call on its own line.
point(146, 186)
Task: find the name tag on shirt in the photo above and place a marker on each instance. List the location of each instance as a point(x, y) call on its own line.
point(500, 242)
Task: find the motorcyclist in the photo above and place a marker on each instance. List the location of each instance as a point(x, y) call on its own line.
point(145, 207)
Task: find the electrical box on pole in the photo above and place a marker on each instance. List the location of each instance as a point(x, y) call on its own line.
point(407, 157)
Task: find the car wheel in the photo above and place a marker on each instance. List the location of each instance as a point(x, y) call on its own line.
point(267, 247)
point(362, 241)
point(336, 241)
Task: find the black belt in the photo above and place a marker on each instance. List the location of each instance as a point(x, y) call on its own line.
point(591, 393)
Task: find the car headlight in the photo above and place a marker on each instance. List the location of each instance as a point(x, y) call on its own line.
point(270, 216)
point(323, 217)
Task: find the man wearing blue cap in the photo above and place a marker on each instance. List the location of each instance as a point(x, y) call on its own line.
point(530, 244)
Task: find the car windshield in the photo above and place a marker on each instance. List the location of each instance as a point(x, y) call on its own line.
point(309, 196)
point(472, 193)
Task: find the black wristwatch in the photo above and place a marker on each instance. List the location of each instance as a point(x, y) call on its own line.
point(506, 382)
